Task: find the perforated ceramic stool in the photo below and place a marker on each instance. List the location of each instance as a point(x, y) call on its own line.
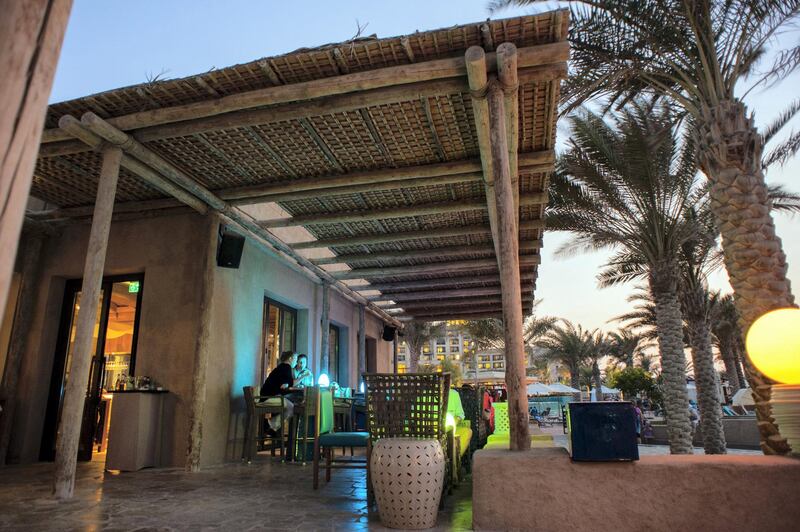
point(407, 477)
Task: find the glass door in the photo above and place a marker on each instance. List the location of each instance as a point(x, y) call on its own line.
point(113, 359)
point(280, 333)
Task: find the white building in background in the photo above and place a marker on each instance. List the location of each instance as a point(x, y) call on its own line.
point(457, 347)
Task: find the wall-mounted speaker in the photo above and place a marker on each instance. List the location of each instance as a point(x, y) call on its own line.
point(389, 332)
point(229, 249)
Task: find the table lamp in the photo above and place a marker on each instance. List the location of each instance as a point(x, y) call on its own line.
point(773, 346)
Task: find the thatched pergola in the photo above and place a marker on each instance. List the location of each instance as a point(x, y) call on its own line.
point(420, 163)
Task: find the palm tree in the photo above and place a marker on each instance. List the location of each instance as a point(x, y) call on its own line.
point(568, 345)
point(627, 345)
point(697, 54)
point(625, 186)
point(417, 334)
point(728, 339)
point(600, 346)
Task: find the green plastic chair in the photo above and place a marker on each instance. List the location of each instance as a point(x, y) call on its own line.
point(325, 439)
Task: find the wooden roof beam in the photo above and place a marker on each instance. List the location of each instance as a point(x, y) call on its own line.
point(437, 284)
point(381, 179)
point(443, 294)
point(400, 212)
point(228, 213)
point(454, 67)
point(383, 238)
point(442, 252)
point(437, 267)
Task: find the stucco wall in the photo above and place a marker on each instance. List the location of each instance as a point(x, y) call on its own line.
point(236, 339)
point(169, 251)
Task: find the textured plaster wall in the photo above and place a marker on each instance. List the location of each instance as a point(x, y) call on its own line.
point(169, 251)
point(236, 340)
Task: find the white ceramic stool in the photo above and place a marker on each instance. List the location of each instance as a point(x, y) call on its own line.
point(407, 478)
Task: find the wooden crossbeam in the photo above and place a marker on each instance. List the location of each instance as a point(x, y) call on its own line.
point(411, 306)
point(553, 54)
point(441, 294)
point(382, 238)
point(442, 252)
point(438, 267)
point(438, 283)
point(456, 313)
point(399, 212)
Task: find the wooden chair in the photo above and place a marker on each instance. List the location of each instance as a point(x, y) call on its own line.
point(326, 439)
point(410, 405)
point(256, 409)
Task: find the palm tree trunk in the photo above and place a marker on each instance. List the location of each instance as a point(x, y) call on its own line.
point(738, 359)
point(598, 383)
point(705, 377)
point(728, 354)
point(575, 382)
point(413, 359)
point(730, 155)
point(669, 326)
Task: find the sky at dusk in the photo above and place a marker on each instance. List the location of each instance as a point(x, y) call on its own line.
point(114, 43)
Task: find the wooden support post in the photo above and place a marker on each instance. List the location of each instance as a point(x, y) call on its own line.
point(362, 343)
point(31, 32)
point(22, 319)
point(507, 74)
point(69, 425)
point(475, 59)
point(325, 326)
point(197, 405)
point(509, 277)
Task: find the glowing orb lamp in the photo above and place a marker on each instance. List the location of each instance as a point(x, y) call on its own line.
point(324, 381)
point(773, 344)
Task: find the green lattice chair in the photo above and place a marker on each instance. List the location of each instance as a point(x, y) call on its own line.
point(325, 439)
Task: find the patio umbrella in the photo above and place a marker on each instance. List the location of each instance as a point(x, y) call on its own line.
point(539, 389)
point(610, 391)
point(562, 388)
point(743, 397)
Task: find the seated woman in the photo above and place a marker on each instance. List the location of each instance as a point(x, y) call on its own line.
point(280, 381)
point(303, 378)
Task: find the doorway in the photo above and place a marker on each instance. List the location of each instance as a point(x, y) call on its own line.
point(371, 355)
point(114, 360)
point(280, 334)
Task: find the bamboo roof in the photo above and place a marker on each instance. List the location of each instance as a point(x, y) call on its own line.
point(370, 145)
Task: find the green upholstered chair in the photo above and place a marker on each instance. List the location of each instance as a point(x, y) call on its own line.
point(325, 439)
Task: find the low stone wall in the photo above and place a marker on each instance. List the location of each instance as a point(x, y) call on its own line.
point(740, 433)
point(543, 490)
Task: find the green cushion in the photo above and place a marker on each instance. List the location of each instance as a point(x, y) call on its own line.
point(464, 434)
point(344, 439)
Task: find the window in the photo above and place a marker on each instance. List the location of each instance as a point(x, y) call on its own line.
point(485, 366)
point(439, 357)
point(426, 358)
point(454, 343)
point(498, 365)
point(440, 349)
point(426, 347)
point(401, 368)
point(498, 357)
point(333, 353)
point(401, 358)
point(280, 334)
point(483, 358)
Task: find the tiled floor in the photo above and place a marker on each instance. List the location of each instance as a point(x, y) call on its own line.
point(266, 495)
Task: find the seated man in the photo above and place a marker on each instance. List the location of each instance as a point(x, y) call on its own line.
point(462, 430)
point(280, 382)
point(302, 375)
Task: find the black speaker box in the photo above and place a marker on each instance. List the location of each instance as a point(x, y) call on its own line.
point(604, 431)
point(229, 249)
point(389, 332)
